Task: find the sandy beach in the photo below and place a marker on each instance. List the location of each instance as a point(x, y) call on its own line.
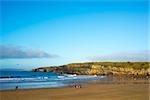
point(121, 90)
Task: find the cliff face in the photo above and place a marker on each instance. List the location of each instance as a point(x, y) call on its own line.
point(101, 68)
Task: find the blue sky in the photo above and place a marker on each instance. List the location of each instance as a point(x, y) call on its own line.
point(42, 33)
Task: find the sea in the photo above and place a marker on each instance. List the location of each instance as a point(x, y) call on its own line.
point(10, 80)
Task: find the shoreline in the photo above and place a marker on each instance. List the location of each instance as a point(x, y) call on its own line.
point(112, 90)
point(25, 83)
point(93, 82)
point(106, 80)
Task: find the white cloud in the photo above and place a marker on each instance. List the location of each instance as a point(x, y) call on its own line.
point(133, 57)
point(8, 52)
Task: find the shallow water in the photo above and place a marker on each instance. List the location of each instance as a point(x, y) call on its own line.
point(26, 79)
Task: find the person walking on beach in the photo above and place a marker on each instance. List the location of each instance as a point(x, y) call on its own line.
point(16, 87)
point(77, 85)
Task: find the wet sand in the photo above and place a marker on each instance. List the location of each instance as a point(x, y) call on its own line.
point(122, 90)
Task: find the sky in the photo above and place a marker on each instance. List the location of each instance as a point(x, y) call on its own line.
point(36, 33)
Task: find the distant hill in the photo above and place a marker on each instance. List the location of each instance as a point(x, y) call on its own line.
point(11, 69)
point(136, 69)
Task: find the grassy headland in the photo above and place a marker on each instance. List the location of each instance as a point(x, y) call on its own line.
point(133, 69)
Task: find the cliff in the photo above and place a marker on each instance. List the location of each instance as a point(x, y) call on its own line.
point(136, 69)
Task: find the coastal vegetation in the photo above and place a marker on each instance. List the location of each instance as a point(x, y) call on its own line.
point(135, 69)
